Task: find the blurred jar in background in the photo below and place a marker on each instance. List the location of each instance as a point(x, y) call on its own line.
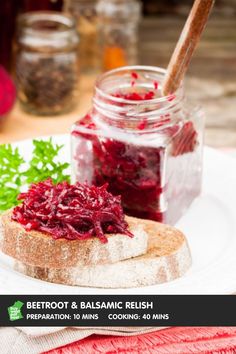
point(47, 62)
point(118, 32)
point(84, 12)
point(9, 10)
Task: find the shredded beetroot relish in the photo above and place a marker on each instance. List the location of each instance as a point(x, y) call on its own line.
point(136, 171)
point(136, 96)
point(72, 212)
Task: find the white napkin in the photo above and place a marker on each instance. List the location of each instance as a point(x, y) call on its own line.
point(41, 331)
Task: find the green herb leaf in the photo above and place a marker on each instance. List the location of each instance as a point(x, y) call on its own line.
point(11, 176)
point(44, 163)
point(14, 174)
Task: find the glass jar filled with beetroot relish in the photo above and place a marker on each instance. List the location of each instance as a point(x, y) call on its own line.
point(147, 147)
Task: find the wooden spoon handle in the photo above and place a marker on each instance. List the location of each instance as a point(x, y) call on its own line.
point(186, 44)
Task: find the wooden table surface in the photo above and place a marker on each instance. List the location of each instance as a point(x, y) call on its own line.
point(211, 82)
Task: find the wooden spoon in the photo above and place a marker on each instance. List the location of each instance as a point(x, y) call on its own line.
point(187, 42)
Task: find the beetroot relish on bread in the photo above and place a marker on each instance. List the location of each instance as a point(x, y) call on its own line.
point(72, 212)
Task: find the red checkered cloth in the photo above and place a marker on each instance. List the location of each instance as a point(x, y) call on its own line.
point(175, 340)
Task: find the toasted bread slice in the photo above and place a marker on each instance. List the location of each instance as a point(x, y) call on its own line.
point(39, 249)
point(168, 257)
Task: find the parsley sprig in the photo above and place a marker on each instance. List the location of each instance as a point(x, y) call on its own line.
point(15, 174)
point(44, 163)
point(11, 178)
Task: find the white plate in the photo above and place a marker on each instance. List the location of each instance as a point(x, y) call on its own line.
point(209, 224)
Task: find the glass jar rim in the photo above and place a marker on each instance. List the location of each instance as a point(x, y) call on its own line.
point(153, 111)
point(135, 68)
point(28, 20)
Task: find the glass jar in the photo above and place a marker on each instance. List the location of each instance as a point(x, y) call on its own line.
point(148, 148)
point(47, 62)
point(84, 12)
point(118, 32)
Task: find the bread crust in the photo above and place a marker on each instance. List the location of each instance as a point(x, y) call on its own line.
point(39, 249)
point(168, 257)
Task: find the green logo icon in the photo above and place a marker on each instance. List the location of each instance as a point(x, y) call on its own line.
point(14, 311)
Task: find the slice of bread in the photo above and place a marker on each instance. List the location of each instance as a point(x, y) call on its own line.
point(41, 250)
point(168, 257)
